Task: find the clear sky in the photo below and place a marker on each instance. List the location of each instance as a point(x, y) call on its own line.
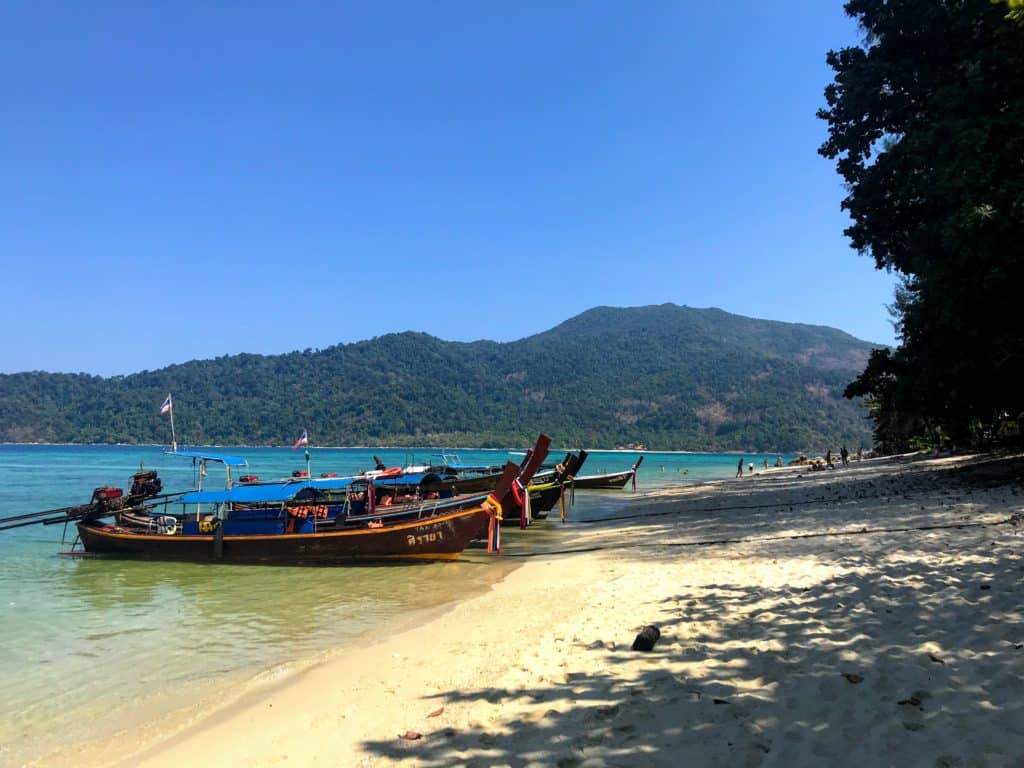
point(186, 180)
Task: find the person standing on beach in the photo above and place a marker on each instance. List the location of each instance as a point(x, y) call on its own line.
point(844, 455)
point(828, 458)
point(739, 468)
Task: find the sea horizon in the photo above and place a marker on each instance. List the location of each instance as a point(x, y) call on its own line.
point(218, 446)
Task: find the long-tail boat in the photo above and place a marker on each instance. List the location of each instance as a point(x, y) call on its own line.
point(432, 531)
point(544, 496)
point(446, 477)
point(301, 504)
point(434, 536)
point(515, 503)
point(459, 477)
point(276, 523)
point(610, 481)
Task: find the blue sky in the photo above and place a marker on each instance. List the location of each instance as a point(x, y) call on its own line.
point(190, 180)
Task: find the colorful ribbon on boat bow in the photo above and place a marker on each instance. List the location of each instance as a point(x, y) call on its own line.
point(572, 496)
point(493, 509)
point(522, 496)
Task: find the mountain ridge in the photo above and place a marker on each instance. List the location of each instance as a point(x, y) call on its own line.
point(671, 377)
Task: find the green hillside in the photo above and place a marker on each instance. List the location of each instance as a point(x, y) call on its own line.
point(667, 376)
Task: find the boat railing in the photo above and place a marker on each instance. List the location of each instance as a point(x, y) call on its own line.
point(166, 525)
point(433, 509)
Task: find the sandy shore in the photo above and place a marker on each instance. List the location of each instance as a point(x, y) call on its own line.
point(872, 615)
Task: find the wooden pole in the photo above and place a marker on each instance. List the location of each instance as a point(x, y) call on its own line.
point(174, 442)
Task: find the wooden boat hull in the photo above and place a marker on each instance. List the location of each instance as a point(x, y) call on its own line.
point(611, 481)
point(438, 538)
point(543, 498)
point(461, 485)
point(511, 510)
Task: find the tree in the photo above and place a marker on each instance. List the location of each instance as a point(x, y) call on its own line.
point(926, 124)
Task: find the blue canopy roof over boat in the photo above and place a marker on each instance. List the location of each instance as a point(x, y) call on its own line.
point(264, 492)
point(328, 483)
point(245, 494)
point(230, 461)
point(414, 478)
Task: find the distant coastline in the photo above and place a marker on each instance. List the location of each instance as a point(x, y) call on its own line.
point(627, 451)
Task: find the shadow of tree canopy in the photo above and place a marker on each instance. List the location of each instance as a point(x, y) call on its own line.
point(899, 648)
point(805, 502)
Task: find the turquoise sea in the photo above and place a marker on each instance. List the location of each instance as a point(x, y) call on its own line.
point(89, 647)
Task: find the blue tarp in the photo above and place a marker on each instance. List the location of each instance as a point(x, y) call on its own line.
point(264, 492)
point(231, 461)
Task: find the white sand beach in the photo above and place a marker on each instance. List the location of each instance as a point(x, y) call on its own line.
point(871, 615)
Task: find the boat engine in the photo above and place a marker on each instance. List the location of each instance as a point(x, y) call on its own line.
point(107, 499)
point(145, 484)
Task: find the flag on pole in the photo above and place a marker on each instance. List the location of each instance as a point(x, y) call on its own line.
point(303, 440)
point(168, 405)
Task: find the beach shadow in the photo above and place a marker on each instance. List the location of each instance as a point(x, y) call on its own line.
point(910, 649)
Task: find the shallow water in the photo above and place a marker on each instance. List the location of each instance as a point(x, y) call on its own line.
point(88, 644)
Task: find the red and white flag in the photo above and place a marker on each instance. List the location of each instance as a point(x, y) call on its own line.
point(166, 406)
point(303, 440)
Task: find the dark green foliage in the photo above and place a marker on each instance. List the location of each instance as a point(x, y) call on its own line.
point(926, 123)
point(671, 377)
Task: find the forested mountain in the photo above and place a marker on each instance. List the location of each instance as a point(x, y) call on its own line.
point(667, 376)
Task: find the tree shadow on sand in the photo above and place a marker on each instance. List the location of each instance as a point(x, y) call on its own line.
point(909, 652)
